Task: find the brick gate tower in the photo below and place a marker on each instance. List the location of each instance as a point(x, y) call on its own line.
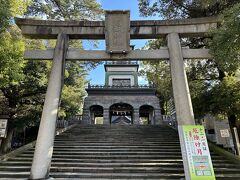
point(121, 100)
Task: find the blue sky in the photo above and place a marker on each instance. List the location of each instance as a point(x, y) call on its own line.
point(96, 76)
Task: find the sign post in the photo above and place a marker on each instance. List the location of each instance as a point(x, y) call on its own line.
point(237, 141)
point(195, 153)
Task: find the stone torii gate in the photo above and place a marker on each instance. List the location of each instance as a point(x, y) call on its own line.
point(117, 30)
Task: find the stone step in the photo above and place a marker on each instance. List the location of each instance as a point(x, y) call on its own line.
point(130, 175)
point(109, 153)
point(111, 164)
point(115, 146)
point(71, 175)
point(114, 143)
point(102, 169)
point(119, 150)
point(118, 140)
point(112, 156)
point(87, 164)
point(74, 160)
point(115, 152)
point(118, 143)
point(108, 169)
point(112, 175)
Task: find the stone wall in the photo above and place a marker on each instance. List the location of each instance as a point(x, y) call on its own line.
point(135, 101)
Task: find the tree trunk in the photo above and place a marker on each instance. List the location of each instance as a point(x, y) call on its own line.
point(163, 110)
point(232, 119)
point(6, 142)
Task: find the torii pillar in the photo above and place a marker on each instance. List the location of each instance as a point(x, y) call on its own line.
point(181, 93)
point(46, 133)
point(183, 104)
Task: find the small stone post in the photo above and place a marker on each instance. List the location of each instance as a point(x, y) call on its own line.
point(157, 117)
point(106, 117)
point(44, 145)
point(136, 119)
point(86, 117)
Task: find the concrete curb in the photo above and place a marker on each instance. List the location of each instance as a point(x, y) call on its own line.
point(15, 152)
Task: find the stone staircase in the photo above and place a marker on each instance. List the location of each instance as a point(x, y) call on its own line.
point(115, 152)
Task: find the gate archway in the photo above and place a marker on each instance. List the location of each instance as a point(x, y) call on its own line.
point(96, 114)
point(146, 113)
point(121, 113)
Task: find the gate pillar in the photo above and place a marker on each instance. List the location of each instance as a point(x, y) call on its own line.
point(182, 99)
point(106, 116)
point(136, 119)
point(45, 139)
point(184, 111)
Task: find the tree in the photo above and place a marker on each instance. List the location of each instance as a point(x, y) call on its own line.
point(66, 9)
point(158, 73)
point(73, 90)
point(9, 9)
point(11, 58)
point(213, 83)
point(170, 9)
point(22, 86)
point(225, 45)
point(23, 83)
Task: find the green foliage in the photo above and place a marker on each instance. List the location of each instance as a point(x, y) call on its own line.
point(9, 9)
point(213, 83)
point(23, 83)
point(66, 9)
point(74, 85)
point(158, 73)
point(24, 96)
point(221, 100)
point(5, 14)
point(99, 120)
point(73, 90)
point(225, 45)
point(11, 57)
point(16, 80)
point(170, 9)
point(225, 97)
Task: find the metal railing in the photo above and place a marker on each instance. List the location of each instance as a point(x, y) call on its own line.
point(121, 62)
point(90, 86)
